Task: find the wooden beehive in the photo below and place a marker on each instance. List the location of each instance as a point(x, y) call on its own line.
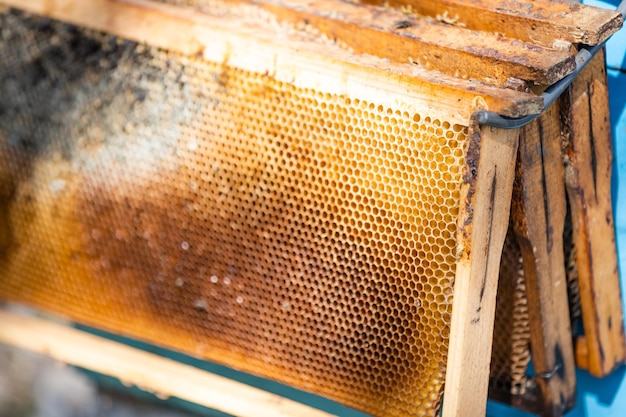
point(300, 194)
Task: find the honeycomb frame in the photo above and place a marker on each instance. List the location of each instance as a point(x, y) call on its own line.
point(78, 185)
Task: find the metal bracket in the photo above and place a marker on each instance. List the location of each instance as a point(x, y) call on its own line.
point(550, 374)
point(484, 117)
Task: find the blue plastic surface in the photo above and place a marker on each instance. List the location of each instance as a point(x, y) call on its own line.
point(604, 397)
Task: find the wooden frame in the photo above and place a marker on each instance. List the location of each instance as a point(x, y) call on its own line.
point(485, 194)
point(483, 224)
point(575, 133)
point(488, 180)
point(451, 49)
point(539, 210)
point(588, 160)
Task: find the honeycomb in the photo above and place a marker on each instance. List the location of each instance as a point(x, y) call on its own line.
point(299, 235)
point(510, 357)
point(511, 375)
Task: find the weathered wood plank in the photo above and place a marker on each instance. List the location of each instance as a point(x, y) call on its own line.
point(149, 372)
point(453, 50)
point(588, 159)
point(539, 210)
point(389, 34)
point(482, 227)
point(303, 63)
point(540, 22)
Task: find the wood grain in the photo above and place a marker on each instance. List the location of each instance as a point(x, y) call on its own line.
point(540, 22)
point(482, 227)
point(539, 210)
point(303, 63)
point(588, 159)
point(453, 50)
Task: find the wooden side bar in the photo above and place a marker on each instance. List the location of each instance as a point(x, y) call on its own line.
point(482, 228)
point(588, 159)
point(538, 210)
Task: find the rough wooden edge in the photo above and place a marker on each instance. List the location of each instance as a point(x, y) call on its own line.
point(539, 210)
point(147, 371)
point(324, 68)
point(453, 50)
point(482, 227)
point(588, 162)
point(543, 22)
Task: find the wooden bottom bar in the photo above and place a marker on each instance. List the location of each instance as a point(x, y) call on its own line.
point(149, 372)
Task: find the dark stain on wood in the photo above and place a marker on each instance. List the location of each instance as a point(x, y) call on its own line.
point(592, 144)
point(492, 198)
point(402, 24)
point(559, 362)
point(471, 170)
point(546, 208)
point(601, 353)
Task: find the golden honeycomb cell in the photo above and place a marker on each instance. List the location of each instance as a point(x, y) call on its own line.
point(511, 379)
point(510, 356)
point(304, 236)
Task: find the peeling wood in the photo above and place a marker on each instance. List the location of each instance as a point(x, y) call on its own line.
point(454, 50)
point(588, 159)
point(549, 23)
point(293, 60)
point(539, 211)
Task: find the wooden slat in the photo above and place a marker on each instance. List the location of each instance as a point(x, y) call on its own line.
point(482, 226)
point(453, 50)
point(539, 210)
point(542, 22)
point(390, 34)
point(588, 177)
point(149, 372)
point(305, 64)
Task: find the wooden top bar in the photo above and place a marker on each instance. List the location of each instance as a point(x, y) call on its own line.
point(540, 22)
point(461, 55)
point(301, 57)
point(458, 51)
